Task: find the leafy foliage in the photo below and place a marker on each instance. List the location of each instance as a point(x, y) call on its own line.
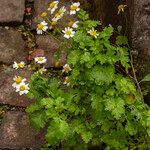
point(146, 78)
point(100, 106)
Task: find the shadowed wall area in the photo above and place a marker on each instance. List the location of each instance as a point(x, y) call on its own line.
point(138, 14)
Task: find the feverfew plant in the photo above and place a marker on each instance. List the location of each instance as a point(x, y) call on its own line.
point(94, 103)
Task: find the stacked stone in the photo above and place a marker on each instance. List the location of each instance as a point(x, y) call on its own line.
point(15, 130)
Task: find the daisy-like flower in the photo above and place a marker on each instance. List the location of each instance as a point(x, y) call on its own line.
point(43, 14)
point(59, 14)
point(73, 24)
point(66, 68)
point(18, 65)
point(42, 27)
point(68, 32)
point(40, 60)
point(93, 32)
point(61, 11)
point(22, 88)
point(121, 8)
point(66, 81)
point(74, 8)
point(18, 80)
point(53, 6)
point(53, 23)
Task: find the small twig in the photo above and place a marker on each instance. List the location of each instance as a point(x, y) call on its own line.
point(134, 74)
point(125, 72)
point(131, 62)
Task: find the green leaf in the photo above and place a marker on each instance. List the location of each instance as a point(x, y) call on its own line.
point(146, 78)
point(102, 75)
point(91, 23)
point(86, 136)
point(38, 120)
point(121, 40)
point(119, 28)
point(32, 108)
point(131, 128)
point(46, 102)
point(148, 131)
point(107, 32)
point(83, 15)
point(58, 130)
point(116, 106)
point(74, 57)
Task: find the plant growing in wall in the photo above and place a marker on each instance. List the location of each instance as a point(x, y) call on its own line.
point(93, 103)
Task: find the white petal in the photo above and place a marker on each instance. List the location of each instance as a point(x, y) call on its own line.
point(45, 28)
point(72, 12)
point(43, 23)
point(63, 31)
point(77, 9)
point(14, 85)
point(39, 31)
point(66, 36)
point(21, 93)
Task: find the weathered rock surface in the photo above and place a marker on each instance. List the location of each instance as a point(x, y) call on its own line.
point(7, 92)
point(50, 45)
point(12, 11)
point(47, 42)
point(16, 132)
point(12, 46)
point(141, 36)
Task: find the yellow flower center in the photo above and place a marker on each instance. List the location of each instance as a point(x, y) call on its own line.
point(93, 33)
point(68, 32)
point(18, 80)
point(40, 26)
point(44, 14)
point(70, 24)
point(52, 5)
point(56, 15)
point(66, 69)
point(66, 80)
point(40, 59)
point(22, 88)
point(60, 11)
point(73, 7)
point(20, 65)
point(53, 23)
point(121, 8)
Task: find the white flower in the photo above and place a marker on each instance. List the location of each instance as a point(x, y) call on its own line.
point(41, 27)
point(18, 65)
point(66, 81)
point(74, 8)
point(22, 88)
point(73, 24)
point(68, 32)
point(18, 80)
point(40, 60)
point(59, 14)
point(61, 11)
point(66, 68)
point(93, 32)
point(53, 6)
